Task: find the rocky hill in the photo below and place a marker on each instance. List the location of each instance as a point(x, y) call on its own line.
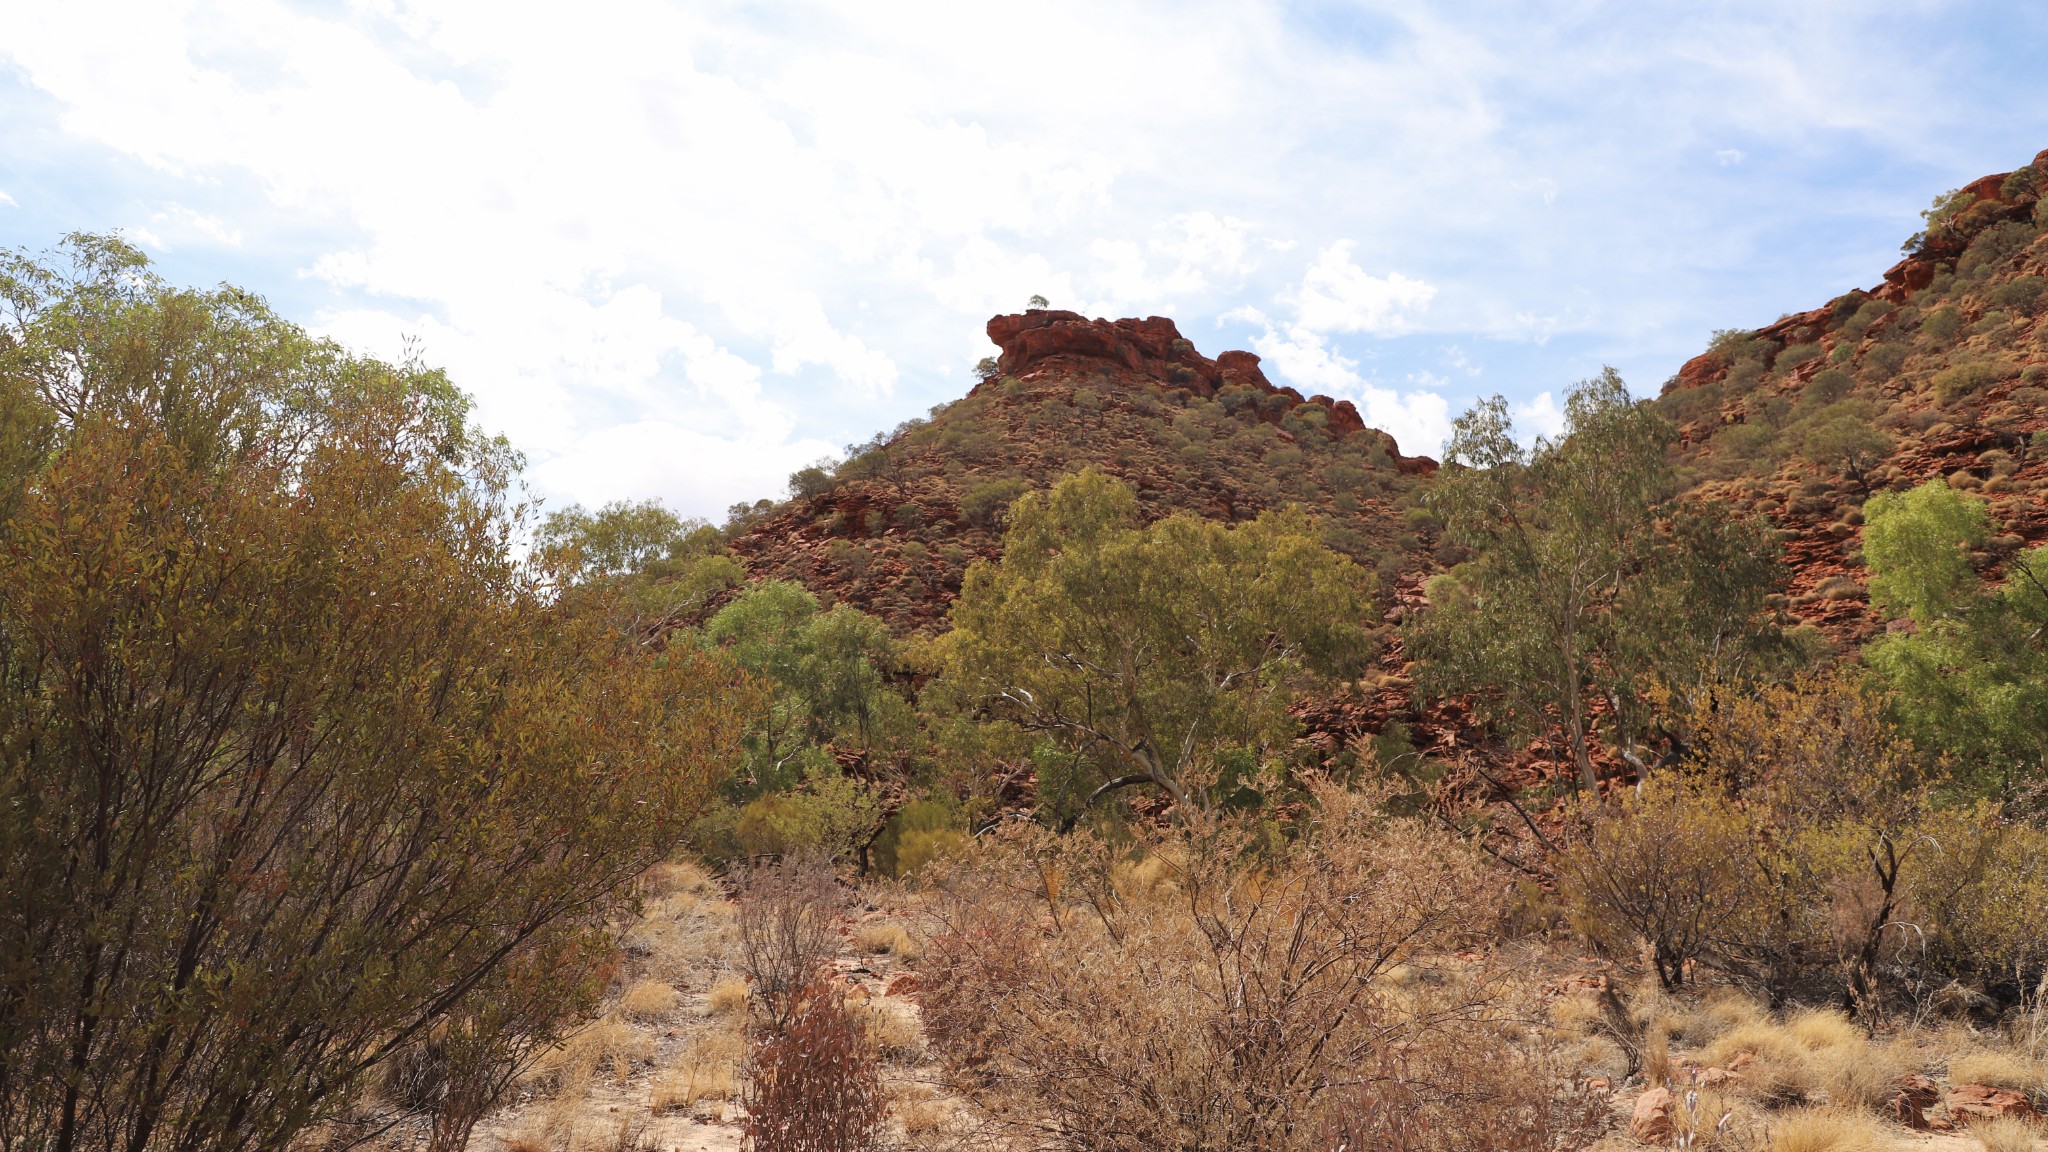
point(1941, 369)
point(894, 529)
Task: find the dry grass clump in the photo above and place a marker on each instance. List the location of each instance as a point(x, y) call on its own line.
point(647, 999)
point(1817, 1130)
point(676, 876)
point(890, 1028)
point(608, 1043)
point(709, 1070)
point(2007, 1136)
point(1999, 1070)
point(885, 937)
point(728, 995)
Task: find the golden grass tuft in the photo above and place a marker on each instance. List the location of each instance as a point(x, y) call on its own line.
point(885, 937)
point(728, 995)
point(889, 1027)
point(1999, 1070)
point(647, 999)
point(708, 1071)
point(1814, 1130)
point(1577, 1015)
point(2007, 1136)
point(673, 876)
point(1821, 1029)
point(607, 1043)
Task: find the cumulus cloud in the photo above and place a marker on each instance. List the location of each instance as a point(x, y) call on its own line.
point(1538, 416)
point(1336, 295)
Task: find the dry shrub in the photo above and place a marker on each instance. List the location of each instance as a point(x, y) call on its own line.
point(647, 999)
point(1454, 1092)
point(1815, 1130)
point(813, 1084)
point(788, 927)
point(1228, 996)
point(728, 995)
point(2007, 1136)
point(1999, 1070)
point(889, 938)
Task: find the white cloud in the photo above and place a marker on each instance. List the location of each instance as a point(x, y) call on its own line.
point(1538, 416)
point(1337, 295)
point(7, 200)
point(1730, 156)
point(178, 219)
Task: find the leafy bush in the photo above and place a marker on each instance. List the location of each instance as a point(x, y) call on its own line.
point(1942, 324)
point(813, 1085)
point(2022, 295)
point(989, 500)
point(303, 766)
point(1953, 384)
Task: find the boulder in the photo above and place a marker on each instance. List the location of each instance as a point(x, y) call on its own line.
point(1980, 1103)
point(1651, 1121)
point(1909, 1100)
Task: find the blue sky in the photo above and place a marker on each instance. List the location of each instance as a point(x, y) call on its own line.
point(677, 250)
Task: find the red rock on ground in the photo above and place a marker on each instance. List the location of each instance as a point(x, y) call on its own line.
point(1981, 1103)
point(1651, 1121)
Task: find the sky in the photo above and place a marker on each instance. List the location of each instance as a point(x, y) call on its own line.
point(678, 250)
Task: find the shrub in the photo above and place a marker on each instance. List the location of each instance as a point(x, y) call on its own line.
point(813, 1084)
point(1793, 355)
point(986, 503)
point(1952, 384)
point(1221, 991)
point(789, 916)
point(1942, 324)
point(2022, 295)
point(1657, 868)
point(303, 766)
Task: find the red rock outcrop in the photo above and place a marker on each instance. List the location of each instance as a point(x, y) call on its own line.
point(1153, 351)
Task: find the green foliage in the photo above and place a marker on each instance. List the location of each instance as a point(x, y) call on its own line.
point(1584, 584)
point(1942, 324)
point(623, 538)
point(812, 480)
point(301, 765)
point(1143, 653)
point(1845, 438)
point(1954, 383)
point(824, 671)
point(923, 831)
point(2022, 294)
point(1945, 209)
point(1794, 355)
point(1971, 678)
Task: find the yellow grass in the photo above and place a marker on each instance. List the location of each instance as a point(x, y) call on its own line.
point(708, 1071)
point(607, 1043)
point(1819, 1030)
point(885, 937)
point(1819, 1131)
point(728, 995)
point(647, 999)
point(1999, 1070)
point(889, 1027)
point(2007, 1136)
